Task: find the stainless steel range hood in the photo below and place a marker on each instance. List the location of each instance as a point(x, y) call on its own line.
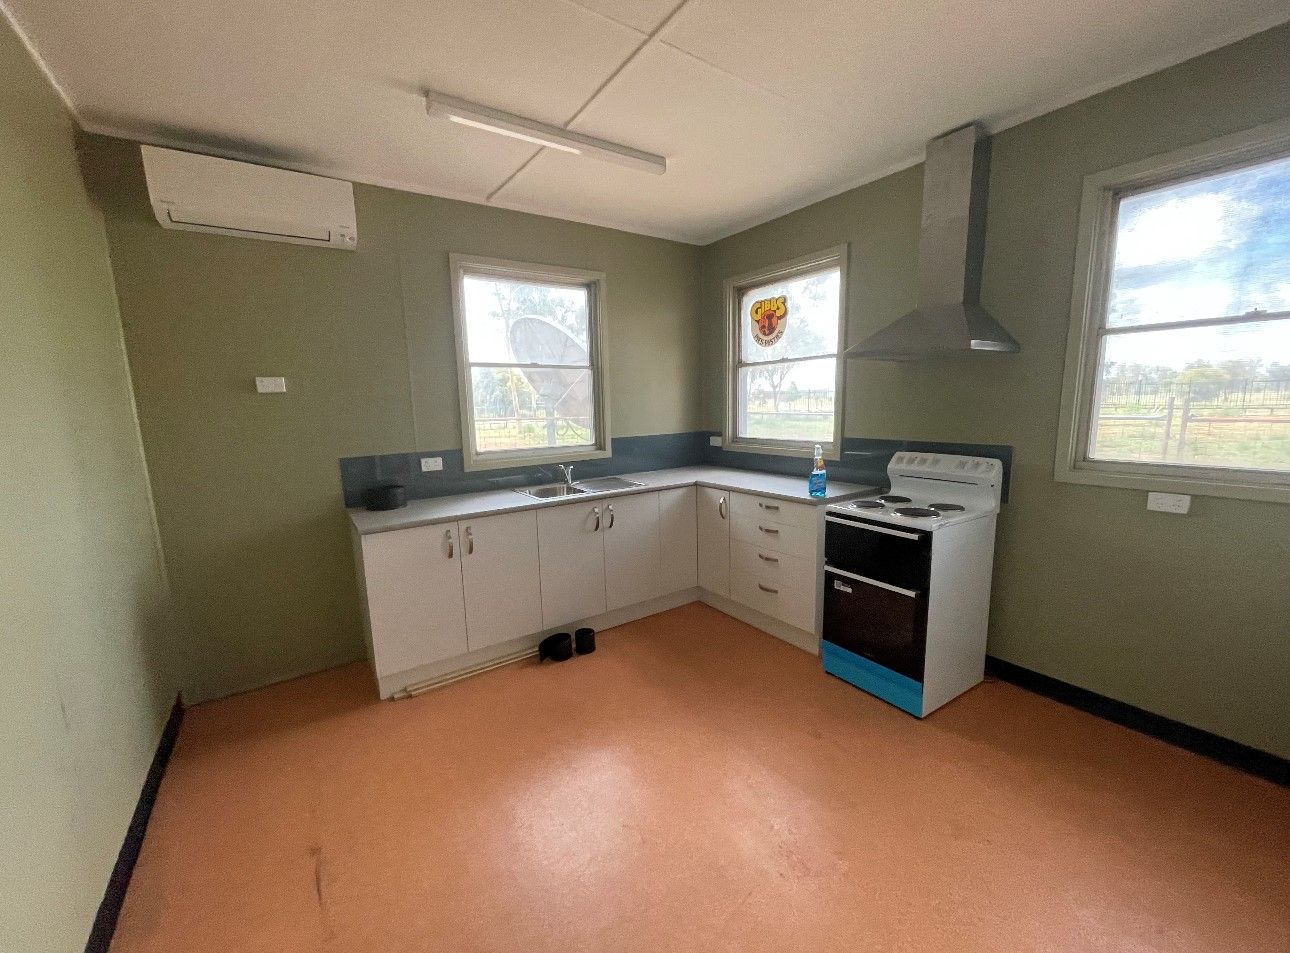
point(949, 317)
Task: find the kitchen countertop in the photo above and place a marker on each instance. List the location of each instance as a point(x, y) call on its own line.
point(445, 509)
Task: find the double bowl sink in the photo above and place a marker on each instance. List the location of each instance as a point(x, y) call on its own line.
point(551, 491)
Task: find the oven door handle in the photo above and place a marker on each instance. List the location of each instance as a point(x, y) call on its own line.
point(872, 529)
point(913, 594)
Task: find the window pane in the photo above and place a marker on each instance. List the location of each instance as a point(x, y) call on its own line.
point(787, 401)
point(1212, 396)
point(794, 318)
point(514, 322)
point(525, 407)
point(1207, 248)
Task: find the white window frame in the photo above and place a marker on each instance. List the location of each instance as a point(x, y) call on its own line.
point(734, 287)
point(1094, 257)
point(594, 281)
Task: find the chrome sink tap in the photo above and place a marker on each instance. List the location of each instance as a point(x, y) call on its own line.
point(567, 470)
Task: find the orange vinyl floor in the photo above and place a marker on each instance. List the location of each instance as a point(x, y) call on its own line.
point(695, 785)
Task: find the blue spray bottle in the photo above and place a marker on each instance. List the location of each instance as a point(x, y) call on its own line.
point(817, 484)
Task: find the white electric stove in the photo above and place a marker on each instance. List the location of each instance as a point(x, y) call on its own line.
point(907, 580)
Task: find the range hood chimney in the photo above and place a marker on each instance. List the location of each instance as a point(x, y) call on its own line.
point(949, 317)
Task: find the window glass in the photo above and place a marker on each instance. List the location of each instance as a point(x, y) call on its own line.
point(1209, 248)
point(785, 387)
point(531, 373)
point(1194, 353)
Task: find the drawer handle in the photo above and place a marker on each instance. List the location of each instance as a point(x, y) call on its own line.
point(596, 511)
point(448, 537)
point(911, 593)
point(611, 517)
point(773, 592)
point(772, 532)
point(470, 543)
point(721, 507)
point(768, 506)
point(767, 559)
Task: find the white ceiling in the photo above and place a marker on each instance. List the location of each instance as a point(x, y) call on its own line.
point(761, 106)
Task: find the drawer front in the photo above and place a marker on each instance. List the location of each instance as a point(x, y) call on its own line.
point(750, 525)
point(774, 583)
point(781, 512)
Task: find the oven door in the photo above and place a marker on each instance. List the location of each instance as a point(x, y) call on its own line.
point(894, 555)
point(878, 620)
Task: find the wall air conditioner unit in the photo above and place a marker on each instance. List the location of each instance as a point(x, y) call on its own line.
point(196, 193)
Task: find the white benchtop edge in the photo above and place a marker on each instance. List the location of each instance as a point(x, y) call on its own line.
point(464, 506)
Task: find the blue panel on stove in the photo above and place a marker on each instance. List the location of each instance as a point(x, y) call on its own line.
point(900, 690)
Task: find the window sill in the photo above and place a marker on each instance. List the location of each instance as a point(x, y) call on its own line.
point(1230, 485)
point(533, 458)
point(805, 451)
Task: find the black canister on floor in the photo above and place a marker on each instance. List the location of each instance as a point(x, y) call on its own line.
point(584, 641)
point(557, 648)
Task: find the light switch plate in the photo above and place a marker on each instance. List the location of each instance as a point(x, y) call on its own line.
point(430, 464)
point(714, 440)
point(270, 385)
point(1169, 502)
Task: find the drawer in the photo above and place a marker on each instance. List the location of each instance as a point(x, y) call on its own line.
point(782, 512)
point(750, 524)
point(775, 584)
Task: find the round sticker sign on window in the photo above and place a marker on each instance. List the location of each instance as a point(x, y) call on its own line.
point(769, 318)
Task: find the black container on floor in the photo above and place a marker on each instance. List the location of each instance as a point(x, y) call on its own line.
point(557, 648)
point(584, 641)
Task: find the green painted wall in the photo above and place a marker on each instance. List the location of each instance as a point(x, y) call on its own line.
point(86, 684)
point(246, 485)
point(1185, 616)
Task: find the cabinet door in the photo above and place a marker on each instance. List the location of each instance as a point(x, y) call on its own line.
point(415, 603)
point(630, 530)
point(714, 540)
point(499, 564)
point(677, 539)
point(571, 552)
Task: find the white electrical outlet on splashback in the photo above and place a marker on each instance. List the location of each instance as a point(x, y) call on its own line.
point(270, 385)
point(430, 464)
point(1169, 502)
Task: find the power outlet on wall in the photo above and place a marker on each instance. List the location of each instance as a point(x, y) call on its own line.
point(1169, 502)
point(430, 464)
point(270, 385)
point(714, 440)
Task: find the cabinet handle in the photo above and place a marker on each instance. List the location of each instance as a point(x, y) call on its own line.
point(773, 592)
point(721, 507)
point(448, 537)
point(772, 532)
point(611, 517)
point(768, 559)
point(470, 543)
point(596, 510)
point(768, 506)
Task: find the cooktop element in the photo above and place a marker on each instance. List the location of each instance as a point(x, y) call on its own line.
point(916, 512)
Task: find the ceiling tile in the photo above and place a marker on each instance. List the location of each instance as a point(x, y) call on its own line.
point(331, 85)
point(730, 149)
point(643, 15)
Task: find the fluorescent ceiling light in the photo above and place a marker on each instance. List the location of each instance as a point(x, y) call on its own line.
point(539, 133)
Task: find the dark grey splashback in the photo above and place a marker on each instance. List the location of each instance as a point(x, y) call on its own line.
point(864, 460)
point(630, 455)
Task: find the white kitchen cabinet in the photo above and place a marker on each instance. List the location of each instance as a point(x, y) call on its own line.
point(415, 604)
point(630, 531)
point(714, 540)
point(499, 567)
point(678, 539)
point(571, 552)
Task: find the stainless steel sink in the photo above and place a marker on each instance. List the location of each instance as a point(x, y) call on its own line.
point(601, 484)
point(550, 491)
